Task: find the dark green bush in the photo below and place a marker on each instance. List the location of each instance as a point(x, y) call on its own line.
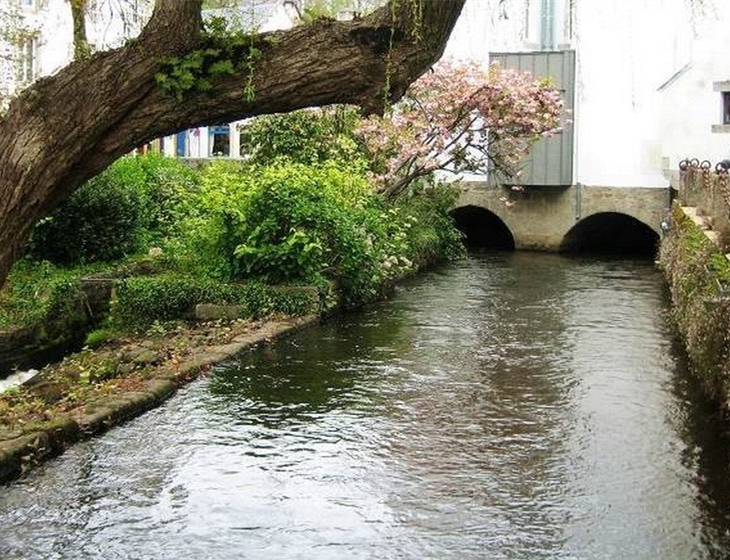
point(141, 301)
point(137, 202)
point(102, 221)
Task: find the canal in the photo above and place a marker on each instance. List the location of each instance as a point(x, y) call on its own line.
point(513, 405)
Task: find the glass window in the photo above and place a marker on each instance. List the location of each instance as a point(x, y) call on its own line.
point(220, 141)
point(26, 62)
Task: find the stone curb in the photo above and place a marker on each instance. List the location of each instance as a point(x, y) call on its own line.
point(21, 454)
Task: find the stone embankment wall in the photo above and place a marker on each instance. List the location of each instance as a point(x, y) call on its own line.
point(82, 308)
point(693, 257)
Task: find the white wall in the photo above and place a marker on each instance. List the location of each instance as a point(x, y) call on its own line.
point(622, 59)
point(52, 22)
point(689, 105)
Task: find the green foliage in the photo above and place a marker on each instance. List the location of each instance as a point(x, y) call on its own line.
point(39, 293)
point(224, 51)
point(309, 217)
point(171, 192)
point(138, 201)
point(699, 280)
point(98, 337)
point(308, 136)
point(433, 237)
point(294, 223)
point(286, 223)
point(141, 301)
point(102, 221)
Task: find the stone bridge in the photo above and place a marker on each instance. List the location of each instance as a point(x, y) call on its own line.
point(580, 217)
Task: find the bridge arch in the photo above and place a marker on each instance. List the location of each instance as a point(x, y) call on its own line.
point(482, 228)
point(612, 233)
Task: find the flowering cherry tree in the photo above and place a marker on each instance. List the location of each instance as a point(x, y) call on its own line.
point(461, 118)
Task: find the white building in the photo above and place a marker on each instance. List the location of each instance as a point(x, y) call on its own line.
point(36, 36)
point(651, 77)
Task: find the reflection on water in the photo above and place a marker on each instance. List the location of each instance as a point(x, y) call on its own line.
point(513, 406)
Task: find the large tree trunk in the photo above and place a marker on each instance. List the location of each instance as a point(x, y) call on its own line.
point(67, 128)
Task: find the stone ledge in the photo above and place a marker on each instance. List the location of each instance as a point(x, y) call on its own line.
point(701, 222)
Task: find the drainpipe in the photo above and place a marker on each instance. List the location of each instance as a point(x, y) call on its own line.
point(547, 31)
point(578, 201)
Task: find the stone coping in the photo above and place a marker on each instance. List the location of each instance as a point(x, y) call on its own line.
point(704, 223)
point(20, 452)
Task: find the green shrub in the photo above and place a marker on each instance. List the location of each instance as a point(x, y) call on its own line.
point(141, 301)
point(137, 202)
point(171, 191)
point(292, 223)
point(432, 236)
point(307, 136)
point(102, 221)
point(295, 223)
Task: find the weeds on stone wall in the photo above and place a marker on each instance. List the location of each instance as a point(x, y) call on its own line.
point(699, 280)
point(40, 293)
point(141, 301)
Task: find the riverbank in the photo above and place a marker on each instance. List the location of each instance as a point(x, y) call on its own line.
point(698, 274)
point(141, 374)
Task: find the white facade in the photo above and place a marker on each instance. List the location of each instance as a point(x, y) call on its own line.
point(37, 36)
point(645, 73)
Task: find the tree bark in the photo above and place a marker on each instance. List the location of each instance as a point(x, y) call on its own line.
point(67, 128)
point(81, 43)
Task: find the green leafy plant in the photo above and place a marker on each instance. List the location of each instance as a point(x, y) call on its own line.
point(102, 221)
point(225, 50)
point(296, 223)
point(141, 302)
point(308, 136)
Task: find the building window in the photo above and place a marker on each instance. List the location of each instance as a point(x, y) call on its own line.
point(27, 60)
point(220, 140)
point(723, 88)
point(548, 24)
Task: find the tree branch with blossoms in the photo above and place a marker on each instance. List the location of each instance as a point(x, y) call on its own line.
point(461, 118)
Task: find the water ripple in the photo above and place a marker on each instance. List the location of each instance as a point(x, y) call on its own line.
point(513, 406)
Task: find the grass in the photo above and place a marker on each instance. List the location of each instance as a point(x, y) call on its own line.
point(28, 294)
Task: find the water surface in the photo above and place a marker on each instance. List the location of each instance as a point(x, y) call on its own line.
point(511, 406)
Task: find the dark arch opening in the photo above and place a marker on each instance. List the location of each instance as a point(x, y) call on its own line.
point(483, 229)
point(611, 233)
